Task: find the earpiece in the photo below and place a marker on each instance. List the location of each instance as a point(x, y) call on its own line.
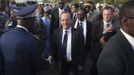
point(124, 19)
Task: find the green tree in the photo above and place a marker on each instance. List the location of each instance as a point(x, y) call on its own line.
point(120, 1)
point(115, 1)
point(75, 1)
point(96, 1)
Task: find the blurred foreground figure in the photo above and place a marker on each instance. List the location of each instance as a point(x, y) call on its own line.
point(117, 57)
point(20, 51)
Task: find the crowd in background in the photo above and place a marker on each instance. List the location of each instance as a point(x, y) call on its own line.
point(94, 23)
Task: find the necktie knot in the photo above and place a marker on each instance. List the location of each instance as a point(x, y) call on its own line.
point(81, 24)
point(66, 32)
point(74, 15)
point(107, 25)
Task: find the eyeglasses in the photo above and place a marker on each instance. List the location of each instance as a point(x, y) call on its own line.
point(61, 3)
point(87, 6)
point(129, 17)
point(80, 14)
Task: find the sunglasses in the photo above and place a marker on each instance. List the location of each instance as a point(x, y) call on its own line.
point(129, 17)
point(87, 6)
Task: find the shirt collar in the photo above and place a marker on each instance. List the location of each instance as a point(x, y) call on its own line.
point(75, 13)
point(68, 30)
point(77, 21)
point(83, 21)
point(19, 26)
point(128, 37)
point(61, 9)
point(107, 22)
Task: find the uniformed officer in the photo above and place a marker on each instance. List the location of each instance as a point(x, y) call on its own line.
point(20, 51)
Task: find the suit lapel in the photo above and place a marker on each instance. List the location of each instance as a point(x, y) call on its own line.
point(126, 45)
point(113, 24)
point(88, 32)
point(88, 27)
point(57, 13)
point(72, 39)
point(101, 26)
point(60, 33)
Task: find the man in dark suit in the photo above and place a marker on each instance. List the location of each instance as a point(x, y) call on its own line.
point(55, 16)
point(20, 51)
point(74, 9)
point(117, 56)
point(92, 14)
point(85, 30)
point(68, 47)
point(102, 31)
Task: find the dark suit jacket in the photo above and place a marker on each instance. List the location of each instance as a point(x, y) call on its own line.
point(20, 53)
point(77, 47)
point(117, 57)
point(97, 33)
point(87, 45)
point(54, 20)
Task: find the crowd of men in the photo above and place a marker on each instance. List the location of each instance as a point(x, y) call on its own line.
point(34, 36)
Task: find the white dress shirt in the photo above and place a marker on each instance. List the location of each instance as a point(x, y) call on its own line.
point(69, 45)
point(84, 26)
point(74, 15)
point(129, 38)
point(105, 25)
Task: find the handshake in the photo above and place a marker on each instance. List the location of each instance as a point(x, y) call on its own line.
point(49, 59)
point(109, 32)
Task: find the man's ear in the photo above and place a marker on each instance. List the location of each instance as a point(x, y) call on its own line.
point(123, 20)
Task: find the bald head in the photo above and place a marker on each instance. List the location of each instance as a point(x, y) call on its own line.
point(127, 9)
point(65, 20)
point(127, 17)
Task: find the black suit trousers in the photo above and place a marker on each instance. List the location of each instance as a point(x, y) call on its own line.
point(67, 68)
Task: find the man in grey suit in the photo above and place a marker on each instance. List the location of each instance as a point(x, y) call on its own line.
point(20, 50)
point(117, 57)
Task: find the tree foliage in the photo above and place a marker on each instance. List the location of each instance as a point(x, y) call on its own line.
point(75, 1)
point(115, 1)
point(120, 1)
